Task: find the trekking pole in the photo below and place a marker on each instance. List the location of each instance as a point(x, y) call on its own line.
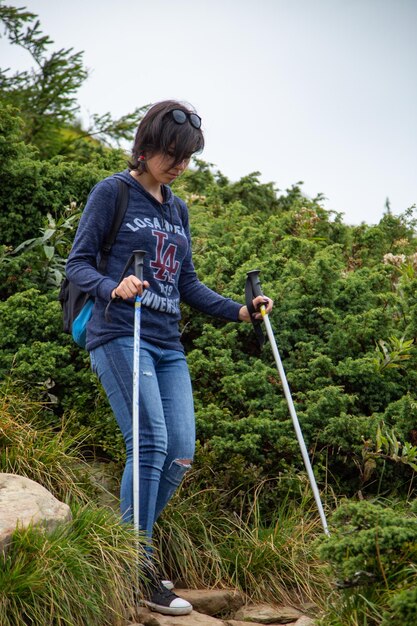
point(138, 256)
point(253, 289)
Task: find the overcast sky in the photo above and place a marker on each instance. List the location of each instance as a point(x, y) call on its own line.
point(319, 91)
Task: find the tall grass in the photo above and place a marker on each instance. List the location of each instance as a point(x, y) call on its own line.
point(81, 574)
point(47, 455)
point(203, 546)
point(84, 572)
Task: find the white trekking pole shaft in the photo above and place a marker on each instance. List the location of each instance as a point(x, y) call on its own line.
point(256, 289)
point(138, 271)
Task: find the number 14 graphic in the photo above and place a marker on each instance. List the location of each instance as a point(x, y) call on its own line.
point(165, 264)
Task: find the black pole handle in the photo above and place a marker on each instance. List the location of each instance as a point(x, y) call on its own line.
point(138, 256)
point(255, 283)
point(253, 290)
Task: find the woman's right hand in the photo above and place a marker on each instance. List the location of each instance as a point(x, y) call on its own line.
point(130, 287)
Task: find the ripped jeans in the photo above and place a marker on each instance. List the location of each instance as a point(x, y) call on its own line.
point(166, 421)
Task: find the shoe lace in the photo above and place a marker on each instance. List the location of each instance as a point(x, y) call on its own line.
point(165, 593)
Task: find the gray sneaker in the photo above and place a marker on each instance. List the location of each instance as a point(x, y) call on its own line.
point(163, 600)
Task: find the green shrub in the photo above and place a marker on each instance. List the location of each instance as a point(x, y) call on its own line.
point(344, 319)
point(402, 608)
point(49, 185)
point(373, 556)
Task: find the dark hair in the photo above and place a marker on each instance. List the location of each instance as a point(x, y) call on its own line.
point(158, 132)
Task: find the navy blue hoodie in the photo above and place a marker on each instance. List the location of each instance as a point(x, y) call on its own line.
point(162, 230)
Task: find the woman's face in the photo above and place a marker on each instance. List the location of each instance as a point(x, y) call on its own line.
point(160, 166)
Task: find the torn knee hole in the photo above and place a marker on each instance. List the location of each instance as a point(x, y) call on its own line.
point(184, 462)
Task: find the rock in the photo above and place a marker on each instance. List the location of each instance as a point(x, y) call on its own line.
point(24, 502)
point(215, 602)
point(304, 621)
point(250, 615)
point(234, 622)
point(149, 618)
point(266, 614)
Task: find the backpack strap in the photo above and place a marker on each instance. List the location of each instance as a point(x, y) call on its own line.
point(121, 206)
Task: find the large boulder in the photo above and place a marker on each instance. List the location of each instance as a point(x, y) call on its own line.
point(24, 502)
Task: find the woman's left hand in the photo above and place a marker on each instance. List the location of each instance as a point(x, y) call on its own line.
point(257, 302)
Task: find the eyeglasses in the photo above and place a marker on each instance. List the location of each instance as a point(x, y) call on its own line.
point(180, 117)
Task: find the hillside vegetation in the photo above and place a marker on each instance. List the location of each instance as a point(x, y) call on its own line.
point(345, 320)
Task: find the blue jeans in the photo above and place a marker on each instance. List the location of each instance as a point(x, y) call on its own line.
point(166, 421)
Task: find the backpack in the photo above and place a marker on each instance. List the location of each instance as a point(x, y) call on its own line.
point(77, 306)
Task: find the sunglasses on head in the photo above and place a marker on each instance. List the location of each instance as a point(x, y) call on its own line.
point(180, 117)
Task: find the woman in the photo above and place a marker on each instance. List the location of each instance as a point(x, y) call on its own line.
point(155, 221)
